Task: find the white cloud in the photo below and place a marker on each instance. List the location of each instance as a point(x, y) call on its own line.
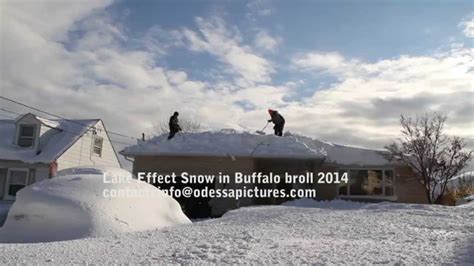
point(216, 38)
point(259, 8)
point(332, 62)
point(96, 75)
point(369, 97)
point(266, 42)
point(93, 74)
point(158, 40)
point(468, 27)
point(48, 18)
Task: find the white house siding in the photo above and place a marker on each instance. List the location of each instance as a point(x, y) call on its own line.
point(80, 153)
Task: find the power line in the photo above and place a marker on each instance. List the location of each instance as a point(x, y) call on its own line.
point(64, 130)
point(58, 116)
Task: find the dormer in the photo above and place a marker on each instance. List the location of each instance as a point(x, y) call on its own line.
point(28, 128)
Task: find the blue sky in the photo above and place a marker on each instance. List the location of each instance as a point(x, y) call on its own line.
point(342, 71)
point(367, 30)
point(364, 29)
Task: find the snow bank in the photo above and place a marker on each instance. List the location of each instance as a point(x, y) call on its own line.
point(73, 205)
point(224, 143)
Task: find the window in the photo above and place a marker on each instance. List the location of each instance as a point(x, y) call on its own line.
point(368, 182)
point(26, 136)
point(97, 149)
point(17, 179)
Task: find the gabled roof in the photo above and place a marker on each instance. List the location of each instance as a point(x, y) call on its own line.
point(224, 143)
point(61, 135)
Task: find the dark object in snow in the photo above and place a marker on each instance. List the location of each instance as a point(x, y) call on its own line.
point(174, 125)
point(278, 120)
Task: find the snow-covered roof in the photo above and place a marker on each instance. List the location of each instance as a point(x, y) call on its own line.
point(346, 155)
point(233, 143)
point(224, 143)
point(60, 136)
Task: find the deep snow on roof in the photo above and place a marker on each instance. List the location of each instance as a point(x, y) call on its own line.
point(346, 155)
point(233, 143)
point(224, 143)
point(60, 136)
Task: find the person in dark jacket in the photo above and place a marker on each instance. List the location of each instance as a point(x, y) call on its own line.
point(174, 125)
point(278, 120)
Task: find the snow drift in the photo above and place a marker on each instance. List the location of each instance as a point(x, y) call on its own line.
point(73, 205)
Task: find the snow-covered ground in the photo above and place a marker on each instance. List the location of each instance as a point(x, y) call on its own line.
point(327, 232)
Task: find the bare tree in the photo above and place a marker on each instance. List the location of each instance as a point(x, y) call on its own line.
point(186, 124)
point(433, 156)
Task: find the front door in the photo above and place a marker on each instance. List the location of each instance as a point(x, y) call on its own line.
point(17, 179)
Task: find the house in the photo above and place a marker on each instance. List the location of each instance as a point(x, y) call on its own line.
point(33, 148)
point(370, 176)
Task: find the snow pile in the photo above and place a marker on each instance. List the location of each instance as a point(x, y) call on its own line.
point(74, 205)
point(225, 143)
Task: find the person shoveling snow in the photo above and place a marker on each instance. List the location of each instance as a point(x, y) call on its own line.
point(174, 125)
point(278, 120)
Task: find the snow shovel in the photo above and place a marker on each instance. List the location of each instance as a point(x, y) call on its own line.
point(260, 132)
